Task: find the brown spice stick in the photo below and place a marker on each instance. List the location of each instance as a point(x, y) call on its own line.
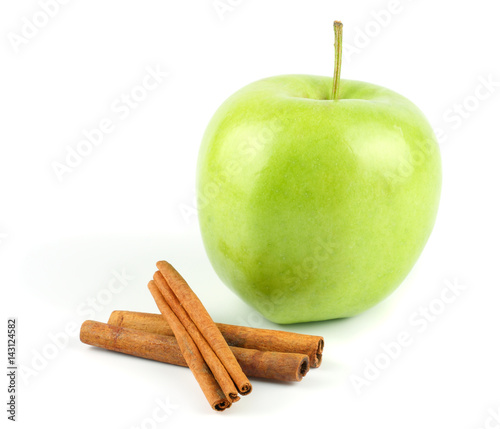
point(194, 359)
point(164, 348)
point(218, 370)
point(238, 336)
point(205, 324)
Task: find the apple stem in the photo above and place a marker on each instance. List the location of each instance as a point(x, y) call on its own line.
point(337, 28)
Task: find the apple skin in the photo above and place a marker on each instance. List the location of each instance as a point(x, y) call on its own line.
point(310, 208)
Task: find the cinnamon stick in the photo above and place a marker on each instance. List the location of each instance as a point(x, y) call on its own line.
point(237, 336)
point(205, 324)
point(192, 355)
point(164, 348)
point(218, 370)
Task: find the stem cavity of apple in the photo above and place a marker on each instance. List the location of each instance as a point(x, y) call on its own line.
point(337, 28)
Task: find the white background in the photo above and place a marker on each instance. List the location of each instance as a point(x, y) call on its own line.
point(129, 203)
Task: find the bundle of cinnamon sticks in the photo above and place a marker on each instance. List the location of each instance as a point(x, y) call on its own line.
point(220, 356)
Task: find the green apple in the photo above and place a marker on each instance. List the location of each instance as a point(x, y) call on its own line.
point(314, 208)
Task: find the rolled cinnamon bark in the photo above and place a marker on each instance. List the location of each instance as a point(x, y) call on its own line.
point(198, 314)
point(218, 370)
point(212, 390)
point(237, 336)
point(164, 348)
